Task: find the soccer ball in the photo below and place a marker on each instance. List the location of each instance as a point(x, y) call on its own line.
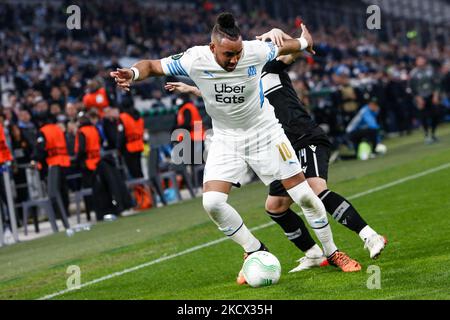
point(261, 269)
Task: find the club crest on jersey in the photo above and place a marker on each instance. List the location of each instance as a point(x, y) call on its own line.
point(177, 56)
point(251, 71)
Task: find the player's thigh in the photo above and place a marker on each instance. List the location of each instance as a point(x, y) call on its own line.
point(274, 159)
point(314, 160)
point(217, 186)
point(317, 184)
point(224, 164)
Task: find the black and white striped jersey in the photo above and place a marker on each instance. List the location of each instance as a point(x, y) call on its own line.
point(298, 125)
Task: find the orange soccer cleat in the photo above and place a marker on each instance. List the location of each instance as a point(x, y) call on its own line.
point(240, 280)
point(344, 262)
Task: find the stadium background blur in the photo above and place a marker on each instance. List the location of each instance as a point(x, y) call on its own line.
point(47, 68)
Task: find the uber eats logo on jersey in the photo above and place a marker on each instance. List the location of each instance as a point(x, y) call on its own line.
point(229, 94)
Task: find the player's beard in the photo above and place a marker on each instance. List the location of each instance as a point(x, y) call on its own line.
point(230, 67)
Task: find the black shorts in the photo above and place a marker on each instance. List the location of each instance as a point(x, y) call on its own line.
point(314, 161)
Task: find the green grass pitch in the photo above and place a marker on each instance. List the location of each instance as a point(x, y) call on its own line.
point(413, 214)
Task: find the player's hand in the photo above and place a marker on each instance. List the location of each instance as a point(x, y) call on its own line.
point(275, 35)
point(308, 38)
point(123, 78)
point(177, 87)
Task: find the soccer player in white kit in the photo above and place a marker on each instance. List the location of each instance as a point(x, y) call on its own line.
point(246, 131)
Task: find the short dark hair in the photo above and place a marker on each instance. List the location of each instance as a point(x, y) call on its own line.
point(226, 27)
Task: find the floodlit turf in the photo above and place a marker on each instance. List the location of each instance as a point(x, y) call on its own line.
point(414, 215)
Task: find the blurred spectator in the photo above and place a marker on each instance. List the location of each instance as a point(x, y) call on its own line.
point(9, 115)
point(347, 97)
point(87, 150)
point(5, 157)
point(55, 109)
point(364, 126)
point(75, 87)
point(109, 133)
point(70, 130)
point(5, 152)
point(40, 109)
point(131, 139)
point(56, 97)
point(157, 99)
point(71, 111)
point(189, 119)
point(445, 85)
point(423, 82)
point(22, 149)
point(399, 99)
point(27, 127)
point(96, 97)
point(51, 152)
point(445, 89)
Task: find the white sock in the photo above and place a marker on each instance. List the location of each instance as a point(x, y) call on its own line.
point(314, 252)
point(315, 214)
point(246, 239)
point(228, 220)
point(366, 232)
point(326, 238)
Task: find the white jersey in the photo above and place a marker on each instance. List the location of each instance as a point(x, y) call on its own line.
point(234, 100)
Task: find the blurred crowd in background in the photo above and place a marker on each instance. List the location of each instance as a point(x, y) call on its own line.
point(47, 69)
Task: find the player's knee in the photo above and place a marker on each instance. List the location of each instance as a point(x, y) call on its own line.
point(277, 205)
point(317, 184)
point(302, 194)
point(305, 197)
point(213, 202)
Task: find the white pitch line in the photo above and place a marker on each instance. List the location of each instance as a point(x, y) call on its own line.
point(399, 181)
point(119, 273)
point(211, 243)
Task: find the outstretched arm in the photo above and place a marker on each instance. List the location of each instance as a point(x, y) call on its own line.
point(286, 44)
point(139, 71)
point(278, 36)
point(180, 87)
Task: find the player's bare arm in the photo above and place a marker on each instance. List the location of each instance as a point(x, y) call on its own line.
point(139, 71)
point(287, 45)
point(181, 87)
point(278, 36)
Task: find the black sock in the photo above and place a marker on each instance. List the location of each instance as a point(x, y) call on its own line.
point(261, 248)
point(342, 211)
point(294, 228)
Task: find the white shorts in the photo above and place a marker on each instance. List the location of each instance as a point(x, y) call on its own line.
point(269, 154)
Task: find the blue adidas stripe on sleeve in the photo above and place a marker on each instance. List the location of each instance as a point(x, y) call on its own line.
point(176, 69)
point(171, 69)
point(272, 53)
